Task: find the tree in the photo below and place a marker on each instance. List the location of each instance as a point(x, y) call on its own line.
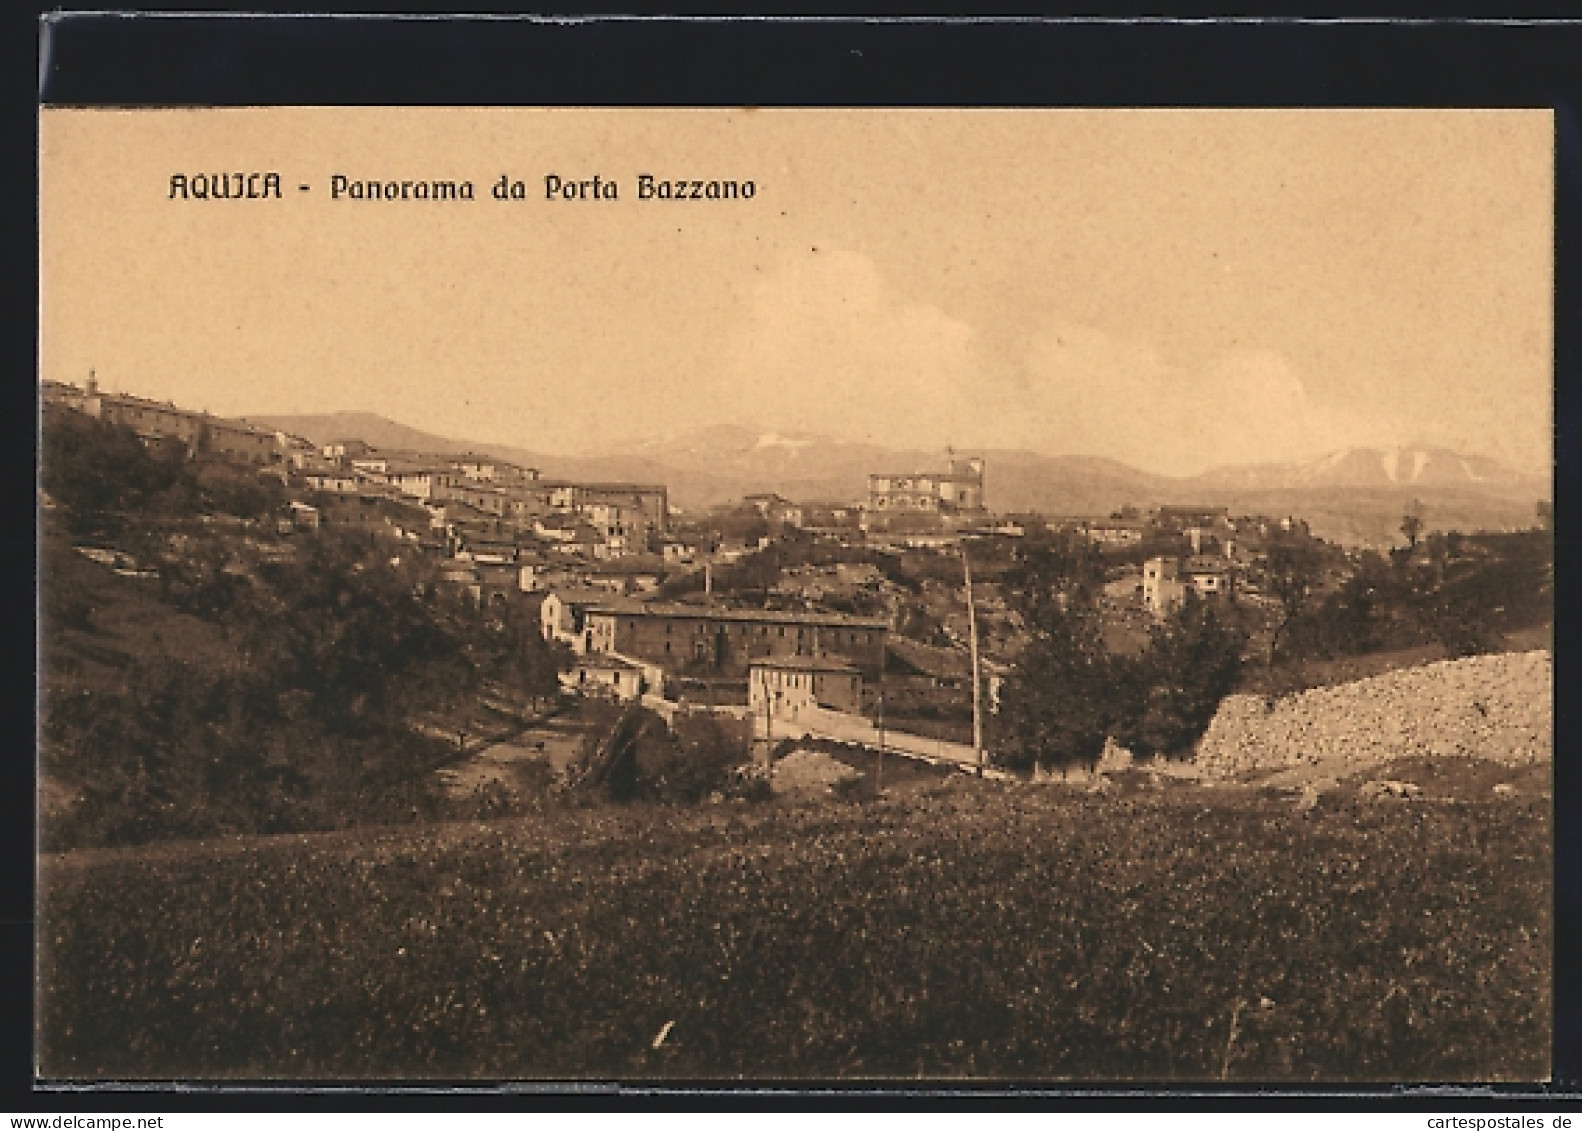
point(513, 651)
point(95, 468)
point(1293, 569)
point(629, 754)
point(1066, 693)
point(1060, 701)
point(1191, 664)
point(1412, 523)
point(1354, 618)
point(692, 761)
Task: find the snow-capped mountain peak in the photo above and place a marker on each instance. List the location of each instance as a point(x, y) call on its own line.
point(773, 440)
point(1406, 466)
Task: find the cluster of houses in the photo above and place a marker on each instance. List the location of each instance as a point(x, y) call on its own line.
point(504, 528)
point(479, 494)
point(163, 420)
point(597, 552)
point(499, 528)
point(1218, 549)
point(628, 647)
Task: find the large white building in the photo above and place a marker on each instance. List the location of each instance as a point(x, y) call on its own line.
point(957, 489)
point(785, 686)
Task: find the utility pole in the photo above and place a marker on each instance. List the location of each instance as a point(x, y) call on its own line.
point(972, 639)
point(768, 723)
point(878, 766)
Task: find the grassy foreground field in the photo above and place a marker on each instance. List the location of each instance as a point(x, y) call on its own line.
point(951, 929)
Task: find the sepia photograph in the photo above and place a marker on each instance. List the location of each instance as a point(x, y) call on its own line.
point(795, 595)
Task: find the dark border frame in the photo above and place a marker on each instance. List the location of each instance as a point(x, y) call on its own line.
point(206, 59)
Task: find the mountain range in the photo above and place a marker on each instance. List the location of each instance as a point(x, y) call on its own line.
point(1355, 495)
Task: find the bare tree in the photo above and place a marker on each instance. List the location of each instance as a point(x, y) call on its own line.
point(1412, 523)
point(1293, 570)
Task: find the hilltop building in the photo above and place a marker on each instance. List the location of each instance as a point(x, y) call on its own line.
point(933, 496)
point(155, 421)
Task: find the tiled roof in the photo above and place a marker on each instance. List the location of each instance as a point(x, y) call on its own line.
point(593, 595)
point(646, 488)
point(804, 664)
point(761, 616)
point(606, 660)
point(625, 567)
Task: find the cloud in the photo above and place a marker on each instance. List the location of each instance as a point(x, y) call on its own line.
point(830, 345)
point(1081, 391)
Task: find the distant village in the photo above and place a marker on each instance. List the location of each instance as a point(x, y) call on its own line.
point(782, 609)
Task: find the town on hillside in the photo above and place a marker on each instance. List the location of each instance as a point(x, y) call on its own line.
point(892, 620)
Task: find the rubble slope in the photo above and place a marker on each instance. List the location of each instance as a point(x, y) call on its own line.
point(1497, 707)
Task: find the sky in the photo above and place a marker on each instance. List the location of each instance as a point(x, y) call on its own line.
point(1177, 290)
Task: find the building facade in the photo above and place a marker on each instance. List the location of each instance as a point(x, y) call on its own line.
point(606, 676)
point(1166, 581)
point(957, 490)
point(786, 687)
point(725, 642)
point(153, 421)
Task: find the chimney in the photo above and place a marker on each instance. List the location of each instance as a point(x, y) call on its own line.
point(93, 384)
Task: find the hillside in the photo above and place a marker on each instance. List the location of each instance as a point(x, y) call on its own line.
point(954, 929)
point(105, 626)
point(205, 670)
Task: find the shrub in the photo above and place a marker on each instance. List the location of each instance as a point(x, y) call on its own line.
point(696, 763)
point(978, 932)
point(1191, 664)
point(630, 755)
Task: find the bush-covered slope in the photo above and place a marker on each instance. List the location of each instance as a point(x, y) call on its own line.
point(959, 929)
point(203, 673)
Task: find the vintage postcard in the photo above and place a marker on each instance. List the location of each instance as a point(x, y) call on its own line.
point(791, 595)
